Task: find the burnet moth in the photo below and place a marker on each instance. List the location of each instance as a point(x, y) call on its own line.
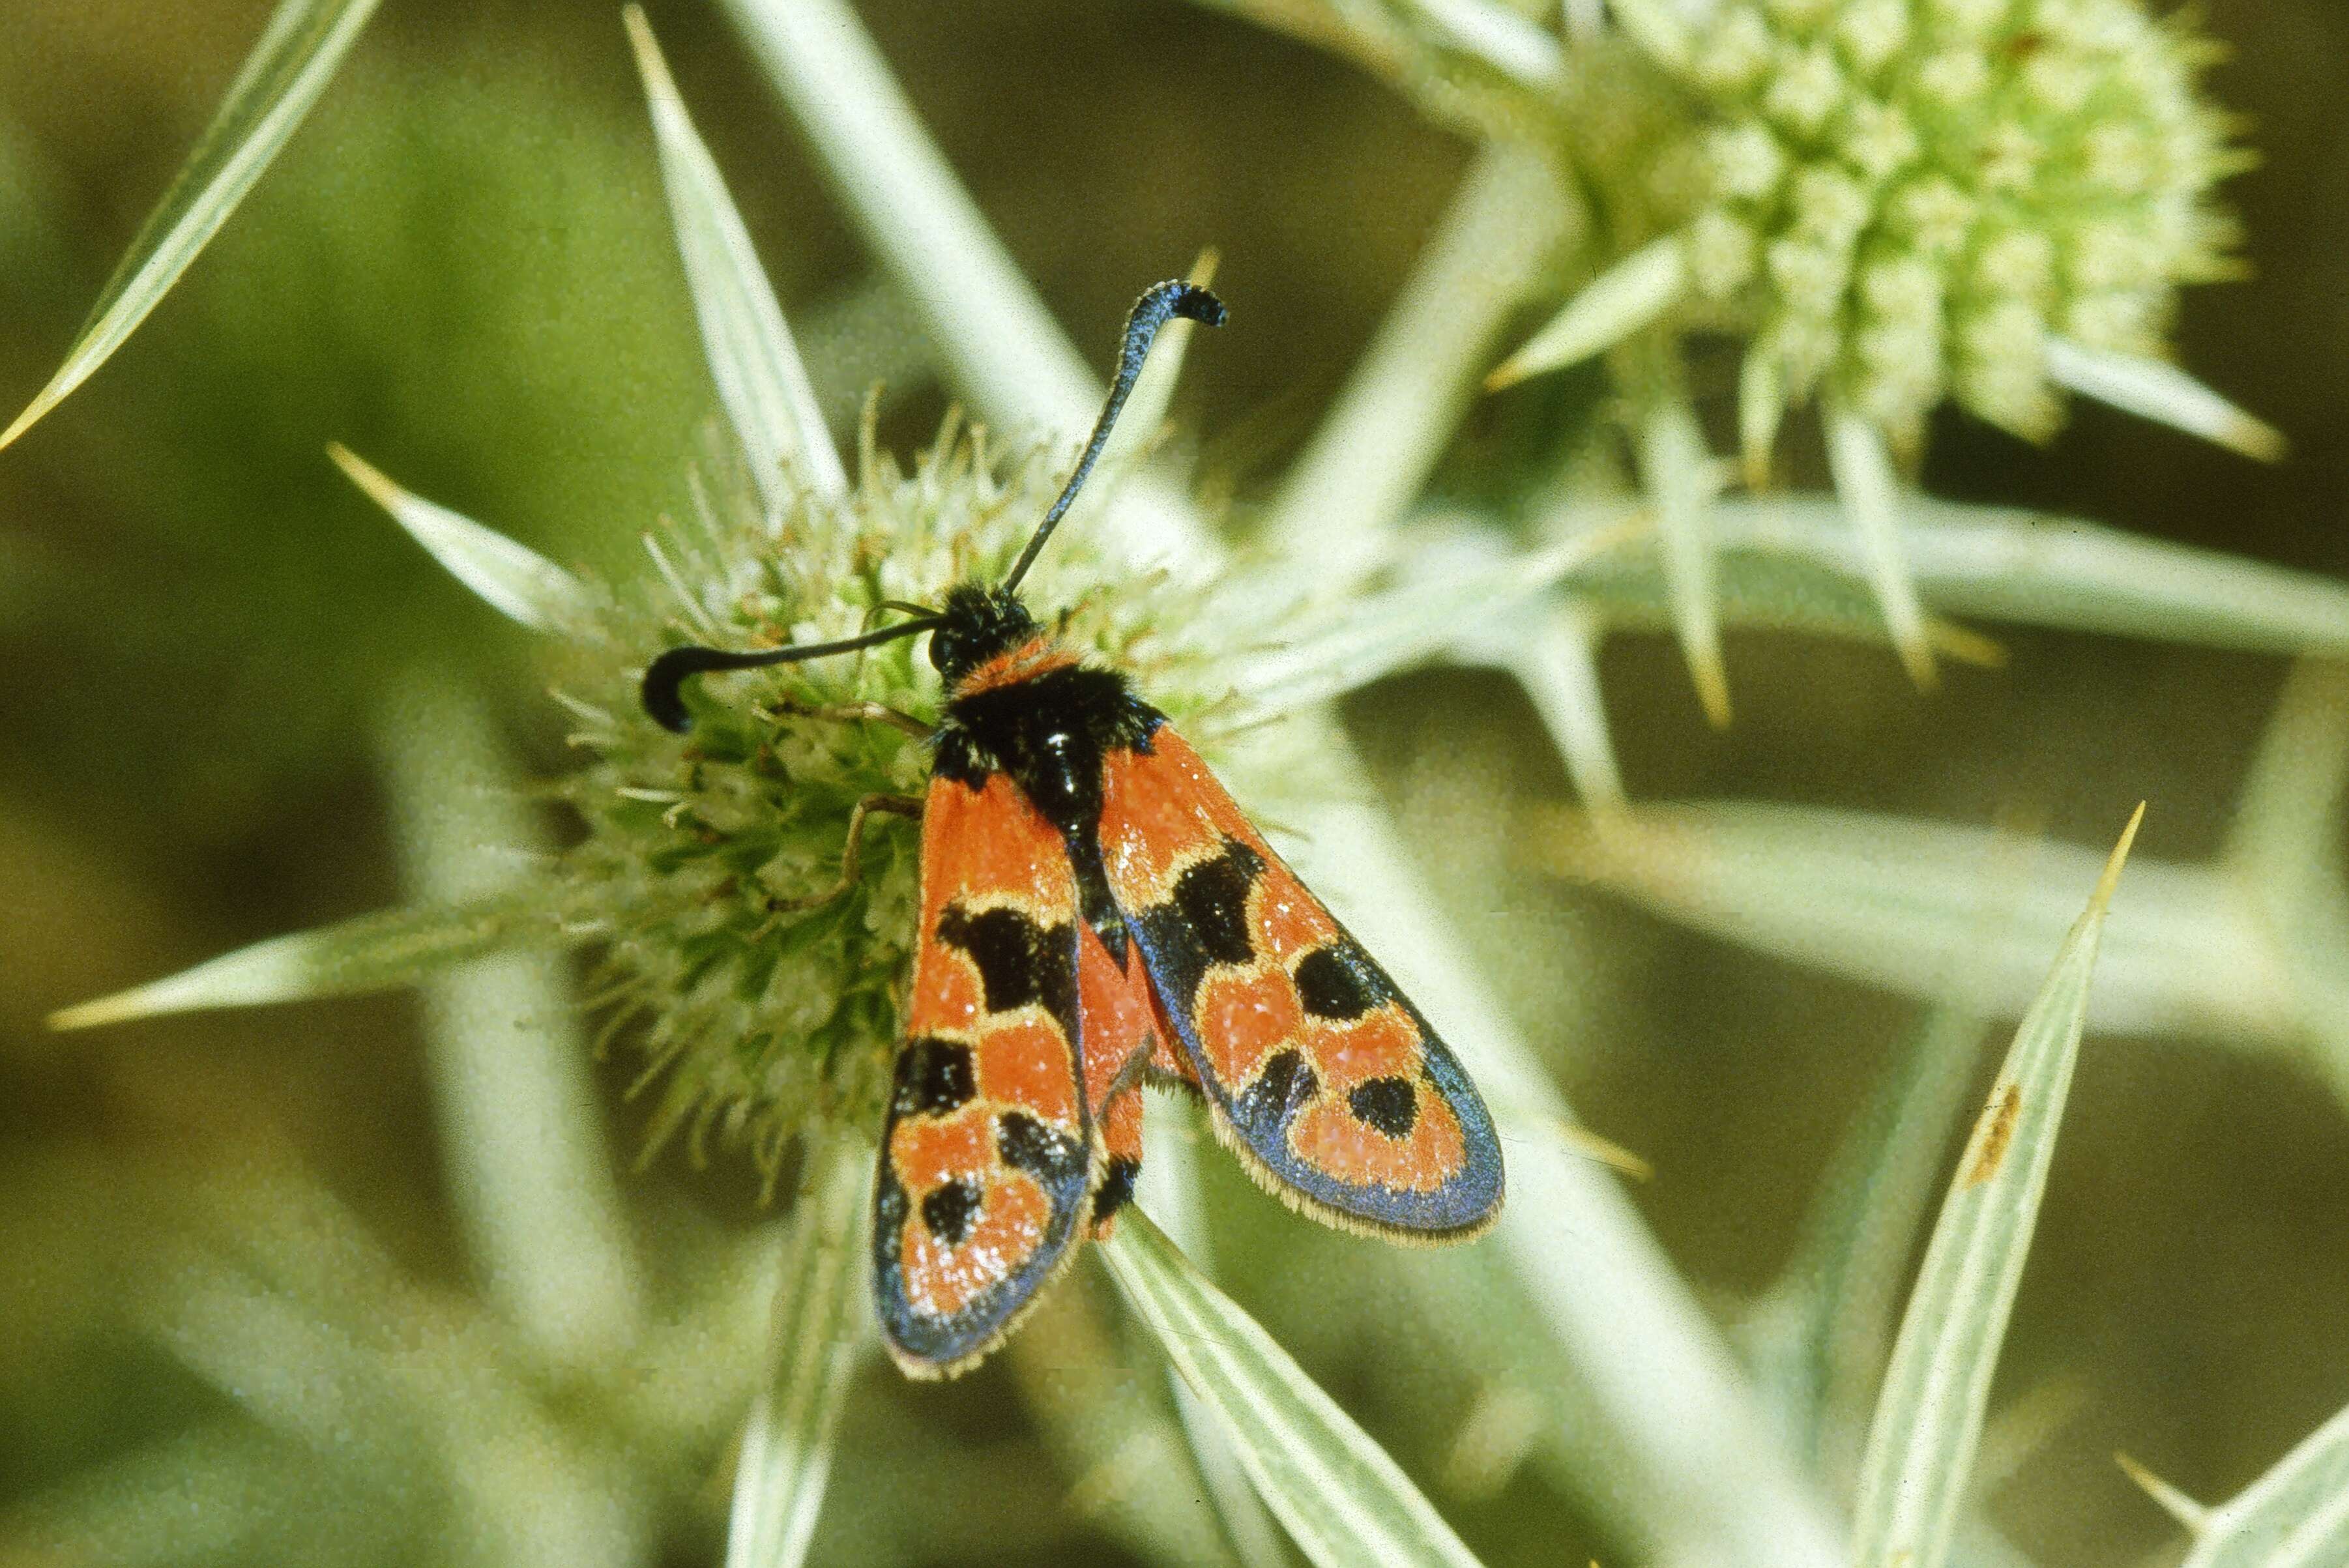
point(1097, 913)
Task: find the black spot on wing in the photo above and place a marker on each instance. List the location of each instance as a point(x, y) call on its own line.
point(1203, 924)
point(934, 1078)
point(1026, 1144)
point(1211, 898)
point(1389, 1104)
point(1341, 982)
point(948, 1209)
point(1019, 961)
point(1282, 1087)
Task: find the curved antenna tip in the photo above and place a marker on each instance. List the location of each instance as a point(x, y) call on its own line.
point(1175, 297)
point(1193, 302)
point(662, 691)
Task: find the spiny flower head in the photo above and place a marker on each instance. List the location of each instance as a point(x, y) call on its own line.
point(1905, 199)
point(762, 983)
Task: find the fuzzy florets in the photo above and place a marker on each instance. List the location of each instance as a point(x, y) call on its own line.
point(1906, 199)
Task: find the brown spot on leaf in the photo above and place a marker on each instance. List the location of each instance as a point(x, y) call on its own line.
point(1997, 1131)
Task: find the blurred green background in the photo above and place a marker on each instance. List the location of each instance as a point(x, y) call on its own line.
point(462, 268)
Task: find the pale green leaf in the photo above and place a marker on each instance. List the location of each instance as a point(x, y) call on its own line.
point(1342, 1499)
point(529, 1170)
point(1870, 493)
point(1405, 398)
point(1550, 647)
point(1627, 296)
point(1256, 1539)
point(509, 577)
point(1791, 563)
point(1466, 64)
point(2162, 392)
point(1757, 588)
point(2010, 563)
point(298, 52)
point(285, 1363)
point(2295, 1516)
point(373, 952)
point(761, 380)
point(1929, 1417)
point(1887, 901)
point(1680, 476)
point(819, 1330)
point(1475, 1318)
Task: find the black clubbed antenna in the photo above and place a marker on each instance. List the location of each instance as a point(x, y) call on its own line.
point(1151, 312)
point(666, 676)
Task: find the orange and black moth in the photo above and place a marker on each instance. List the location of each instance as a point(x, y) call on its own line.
point(1096, 914)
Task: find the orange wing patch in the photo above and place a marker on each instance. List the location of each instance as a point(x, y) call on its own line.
point(987, 1157)
point(1316, 1065)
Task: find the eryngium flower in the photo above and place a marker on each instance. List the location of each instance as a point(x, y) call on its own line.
point(1906, 201)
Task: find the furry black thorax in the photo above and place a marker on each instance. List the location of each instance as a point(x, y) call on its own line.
point(1049, 732)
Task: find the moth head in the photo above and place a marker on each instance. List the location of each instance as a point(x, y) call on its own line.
point(978, 622)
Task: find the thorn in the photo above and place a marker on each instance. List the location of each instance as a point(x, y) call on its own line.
point(1711, 687)
point(1604, 1150)
point(2174, 1503)
point(2111, 879)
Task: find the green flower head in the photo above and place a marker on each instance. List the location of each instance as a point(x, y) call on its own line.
point(1890, 206)
point(1907, 201)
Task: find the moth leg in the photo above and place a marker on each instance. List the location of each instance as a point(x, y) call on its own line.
point(850, 712)
point(1121, 1135)
point(895, 804)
